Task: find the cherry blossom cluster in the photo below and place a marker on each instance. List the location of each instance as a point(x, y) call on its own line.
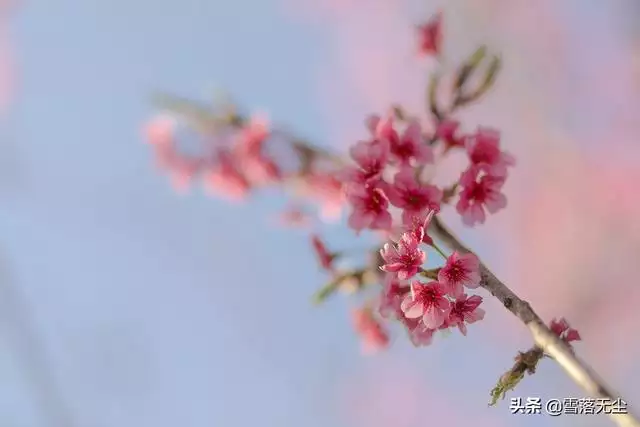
point(236, 159)
point(424, 307)
point(383, 186)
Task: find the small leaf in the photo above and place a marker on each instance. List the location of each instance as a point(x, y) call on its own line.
point(492, 74)
point(433, 96)
point(487, 83)
point(329, 289)
point(469, 66)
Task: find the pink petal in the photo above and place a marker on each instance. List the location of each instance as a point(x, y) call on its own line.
point(496, 202)
point(433, 317)
point(474, 316)
point(411, 309)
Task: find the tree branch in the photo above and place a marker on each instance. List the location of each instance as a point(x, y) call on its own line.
point(544, 338)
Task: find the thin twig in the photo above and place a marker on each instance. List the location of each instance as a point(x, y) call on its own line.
point(544, 338)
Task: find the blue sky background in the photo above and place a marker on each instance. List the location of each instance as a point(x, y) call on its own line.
point(124, 304)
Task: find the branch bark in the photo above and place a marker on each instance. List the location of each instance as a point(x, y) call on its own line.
point(543, 337)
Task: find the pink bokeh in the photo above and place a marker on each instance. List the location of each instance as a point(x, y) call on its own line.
point(7, 64)
point(391, 394)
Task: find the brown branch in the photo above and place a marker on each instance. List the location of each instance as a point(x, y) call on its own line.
point(544, 338)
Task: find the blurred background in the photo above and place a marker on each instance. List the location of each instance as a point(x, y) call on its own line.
point(123, 303)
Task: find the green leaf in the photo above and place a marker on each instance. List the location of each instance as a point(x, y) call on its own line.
point(487, 83)
point(433, 96)
point(329, 289)
point(469, 66)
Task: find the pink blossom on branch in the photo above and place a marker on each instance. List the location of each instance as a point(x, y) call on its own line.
point(414, 198)
point(465, 310)
point(561, 328)
point(458, 272)
point(224, 178)
point(405, 148)
point(370, 208)
point(393, 292)
point(371, 158)
point(427, 301)
point(480, 191)
point(448, 132)
point(483, 148)
point(405, 258)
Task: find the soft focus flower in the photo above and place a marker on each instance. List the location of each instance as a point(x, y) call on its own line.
point(326, 191)
point(447, 131)
point(405, 148)
point(160, 133)
point(465, 310)
point(225, 179)
point(430, 36)
point(419, 334)
point(414, 198)
point(260, 169)
point(459, 271)
point(561, 329)
point(405, 259)
point(373, 335)
point(480, 191)
point(252, 137)
point(427, 301)
point(182, 172)
point(160, 130)
point(371, 158)
point(393, 292)
point(370, 208)
point(483, 148)
point(325, 258)
point(249, 151)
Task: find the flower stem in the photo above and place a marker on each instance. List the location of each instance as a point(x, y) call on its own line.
point(442, 254)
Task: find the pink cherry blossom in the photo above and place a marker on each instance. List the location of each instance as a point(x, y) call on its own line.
point(414, 198)
point(371, 158)
point(430, 36)
point(325, 258)
point(480, 191)
point(249, 151)
point(160, 130)
point(370, 208)
point(373, 335)
point(561, 328)
point(483, 148)
point(253, 136)
point(447, 131)
point(182, 172)
point(427, 301)
point(459, 271)
point(260, 169)
point(465, 310)
point(225, 179)
point(405, 148)
point(404, 258)
point(393, 292)
point(420, 227)
point(419, 334)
